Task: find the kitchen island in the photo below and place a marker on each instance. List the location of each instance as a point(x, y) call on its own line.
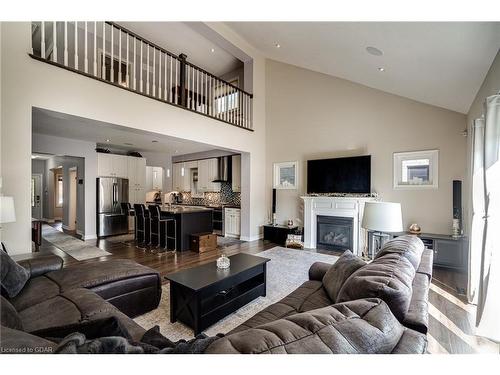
point(189, 220)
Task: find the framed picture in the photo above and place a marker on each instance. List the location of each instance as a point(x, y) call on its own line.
point(285, 175)
point(416, 169)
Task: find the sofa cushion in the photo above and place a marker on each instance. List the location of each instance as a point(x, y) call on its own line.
point(72, 307)
point(339, 272)
point(12, 275)
point(9, 316)
point(417, 317)
point(409, 246)
point(42, 264)
point(309, 296)
point(389, 278)
point(89, 275)
point(14, 341)
point(35, 291)
point(362, 326)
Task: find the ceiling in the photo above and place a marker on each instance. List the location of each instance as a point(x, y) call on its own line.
point(179, 37)
point(74, 127)
point(439, 63)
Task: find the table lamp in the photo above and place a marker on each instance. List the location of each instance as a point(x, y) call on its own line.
point(382, 218)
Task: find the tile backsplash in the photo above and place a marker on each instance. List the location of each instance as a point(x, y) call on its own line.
point(226, 196)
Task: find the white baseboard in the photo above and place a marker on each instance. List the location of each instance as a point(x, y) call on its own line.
point(89, 237)
point(251, 238)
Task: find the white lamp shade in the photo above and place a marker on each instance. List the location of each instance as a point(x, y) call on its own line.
point(382, 217)
point(7, 212)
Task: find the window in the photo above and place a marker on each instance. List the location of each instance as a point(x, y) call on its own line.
point(59, 190)
point(416, 170)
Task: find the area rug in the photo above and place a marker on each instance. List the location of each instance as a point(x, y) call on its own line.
point(286, 271)
point(72, 246)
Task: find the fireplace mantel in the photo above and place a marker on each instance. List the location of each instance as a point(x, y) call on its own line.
point(351, 207)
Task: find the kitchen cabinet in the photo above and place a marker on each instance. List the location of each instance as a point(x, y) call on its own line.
point(179, 182)
point(111, 165)
point(232, 219)
point(154, 178)
point(136, 180)
point(236, 173)
point(207, 172)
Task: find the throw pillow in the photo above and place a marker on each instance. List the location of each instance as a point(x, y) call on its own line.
point(339, 272)
point(9, 316)
point(12, 275)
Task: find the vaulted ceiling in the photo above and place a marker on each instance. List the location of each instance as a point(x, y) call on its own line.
point(438, 63)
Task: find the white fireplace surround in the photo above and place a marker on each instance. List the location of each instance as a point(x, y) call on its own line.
point(350, 207)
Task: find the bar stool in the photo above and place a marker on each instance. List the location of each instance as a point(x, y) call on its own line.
point(142, 225)
point(129, 211)
point(162, 223)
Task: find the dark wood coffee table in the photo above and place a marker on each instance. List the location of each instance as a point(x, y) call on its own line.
point(201, 296)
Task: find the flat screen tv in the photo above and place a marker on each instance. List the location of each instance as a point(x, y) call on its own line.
point(339, 175)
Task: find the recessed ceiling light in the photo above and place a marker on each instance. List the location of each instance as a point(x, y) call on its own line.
point(381, 69)
point(277, 45)
point(154, 141)
point(212, 50)
point(374, 51)
point(108, 140)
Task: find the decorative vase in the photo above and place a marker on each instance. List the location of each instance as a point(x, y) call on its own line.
point(223, 262)
point(415, 229)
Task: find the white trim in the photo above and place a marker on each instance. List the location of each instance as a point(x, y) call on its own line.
point(251, 238)
point(432, 155)
point(89, 237)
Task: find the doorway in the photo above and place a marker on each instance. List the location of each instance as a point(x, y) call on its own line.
point(72, 199)
point(36, 196)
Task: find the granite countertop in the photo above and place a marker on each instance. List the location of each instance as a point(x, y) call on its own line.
point(184, 210)
point(222, 205)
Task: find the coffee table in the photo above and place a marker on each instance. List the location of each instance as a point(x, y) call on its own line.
point(201, 296)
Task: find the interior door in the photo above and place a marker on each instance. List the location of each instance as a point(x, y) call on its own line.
point(36, 196)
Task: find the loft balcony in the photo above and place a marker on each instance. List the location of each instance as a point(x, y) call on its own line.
point(109, 53)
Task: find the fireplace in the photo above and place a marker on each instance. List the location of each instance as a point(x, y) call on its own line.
point(334, 233)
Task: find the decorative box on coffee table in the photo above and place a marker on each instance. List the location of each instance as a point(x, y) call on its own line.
point(203, 295)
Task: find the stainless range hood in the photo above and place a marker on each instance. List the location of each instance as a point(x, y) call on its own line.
point(223, 169)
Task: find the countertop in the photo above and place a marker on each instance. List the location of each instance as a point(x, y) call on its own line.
point(222, 205)
point(183, 210)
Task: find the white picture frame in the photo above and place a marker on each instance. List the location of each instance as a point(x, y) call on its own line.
point(285, 176)
point(416, 170)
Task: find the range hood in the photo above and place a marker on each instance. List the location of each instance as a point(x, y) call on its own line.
point(223, 169)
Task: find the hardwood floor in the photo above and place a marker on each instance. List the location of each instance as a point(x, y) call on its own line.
point(451, 318)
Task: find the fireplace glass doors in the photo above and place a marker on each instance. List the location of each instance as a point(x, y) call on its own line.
point(334, 233)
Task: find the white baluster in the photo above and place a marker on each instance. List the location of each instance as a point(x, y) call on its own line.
point(165, 94)
point(198, 92)
point(127, 76)
point(140, 74)
point(76, 45)
point(42, 44)
point(135, 66)
point(176, 99)
point(54, 42)
point(119, 56)
point(170, 82)
point(188, 86)
point(154, 71)
point(86, 61)
point(103, 57)
point(65, 43)
point(95, 48)
point(193, 100)
point(147, 70)
point(112, 57)
point(159, 74)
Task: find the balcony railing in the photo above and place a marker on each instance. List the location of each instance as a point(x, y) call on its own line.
point(110, 53)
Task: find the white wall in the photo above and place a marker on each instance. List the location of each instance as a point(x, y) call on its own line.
point(42, 143)
point(27, 83)
point(312, 116)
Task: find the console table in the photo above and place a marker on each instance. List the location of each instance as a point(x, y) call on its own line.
point(449, 252)
point(278, 233)
point(201, 296)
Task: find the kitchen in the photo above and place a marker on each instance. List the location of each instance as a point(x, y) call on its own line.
point(212, 183)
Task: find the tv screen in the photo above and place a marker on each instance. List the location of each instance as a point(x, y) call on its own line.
point(339, 175)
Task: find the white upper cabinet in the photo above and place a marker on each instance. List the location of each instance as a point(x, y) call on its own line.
point(207, 172)
point(236, 173)
point(136, 180)
point(110, 165)
point(181, 183)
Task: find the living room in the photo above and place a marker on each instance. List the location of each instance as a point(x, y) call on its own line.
point(365, 123)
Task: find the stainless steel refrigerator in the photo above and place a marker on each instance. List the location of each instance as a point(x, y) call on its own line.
point(111, 192)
